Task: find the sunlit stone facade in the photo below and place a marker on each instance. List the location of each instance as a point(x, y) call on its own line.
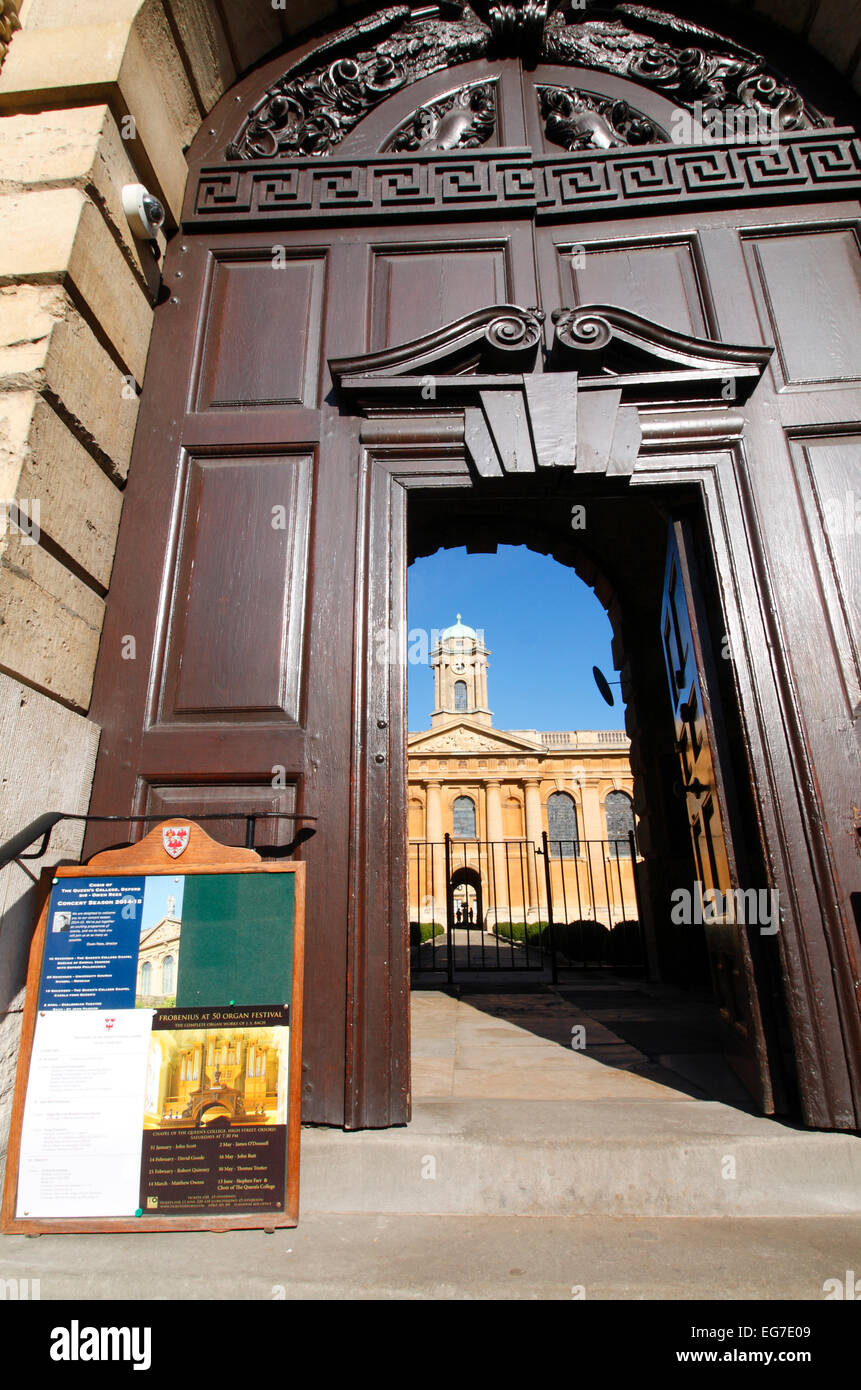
point(485, 787)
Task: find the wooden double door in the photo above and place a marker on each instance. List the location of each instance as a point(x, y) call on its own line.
point(265, 535)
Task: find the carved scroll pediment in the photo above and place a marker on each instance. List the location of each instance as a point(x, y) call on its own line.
point(603, 343)
point(503, 337)
point(580, 412)
point(602, 340)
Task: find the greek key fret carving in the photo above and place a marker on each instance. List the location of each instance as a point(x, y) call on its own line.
point(613, 181)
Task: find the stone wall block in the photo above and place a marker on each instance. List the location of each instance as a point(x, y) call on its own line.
point(77, 14)
point(135, 68)
point(195, 25)
point(47, 755)
point(79, 506)
point(59, 235)
point(205, 47)
point(49, 622)
point(80, 146)
point(45, 345)
point(255, 31)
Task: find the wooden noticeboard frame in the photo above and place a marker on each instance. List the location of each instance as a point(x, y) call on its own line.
point(149, 857)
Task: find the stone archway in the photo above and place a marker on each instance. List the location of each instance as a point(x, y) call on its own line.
point(470, 880)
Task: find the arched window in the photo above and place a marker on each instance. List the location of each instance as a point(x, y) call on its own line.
point(460, 696)
point(562, 826)
point(619, 811)
point(146, 978)
point(464, 818)
point(168, 975)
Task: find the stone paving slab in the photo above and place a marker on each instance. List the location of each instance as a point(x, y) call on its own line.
point(509, 1047)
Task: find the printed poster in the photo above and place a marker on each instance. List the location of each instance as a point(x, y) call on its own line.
point(143, 1112)
point(158, 1082)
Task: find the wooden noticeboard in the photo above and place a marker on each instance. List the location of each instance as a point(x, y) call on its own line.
point(158, 1084)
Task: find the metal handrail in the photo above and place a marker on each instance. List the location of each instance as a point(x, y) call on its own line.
point(41, 828)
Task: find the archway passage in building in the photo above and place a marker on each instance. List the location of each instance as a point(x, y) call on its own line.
point(582, 909)
point(465, 917)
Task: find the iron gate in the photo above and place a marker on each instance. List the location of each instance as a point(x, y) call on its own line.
point(513, 905)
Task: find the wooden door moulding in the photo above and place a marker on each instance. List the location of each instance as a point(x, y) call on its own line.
point(641, 356)
point(624, 349)
point(499, 335)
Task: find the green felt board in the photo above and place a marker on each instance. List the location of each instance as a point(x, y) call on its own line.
point(236, 941)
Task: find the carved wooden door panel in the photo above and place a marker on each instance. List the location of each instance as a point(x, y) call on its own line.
point(706, 787)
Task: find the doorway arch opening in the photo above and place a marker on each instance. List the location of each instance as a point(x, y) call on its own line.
point(564, 906)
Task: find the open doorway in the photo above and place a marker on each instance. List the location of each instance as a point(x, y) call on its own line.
point(508, 749)
point(575, 829)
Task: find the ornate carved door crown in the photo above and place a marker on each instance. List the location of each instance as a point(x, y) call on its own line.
point(419, 112)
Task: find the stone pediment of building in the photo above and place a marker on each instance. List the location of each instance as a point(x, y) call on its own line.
point(164, 931)
point(466, 737)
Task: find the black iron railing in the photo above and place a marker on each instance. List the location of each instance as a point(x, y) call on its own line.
point(593, 905)
point(39, 831)
point(513, 905)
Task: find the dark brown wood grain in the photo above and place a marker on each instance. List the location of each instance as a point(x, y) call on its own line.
point(255, 683)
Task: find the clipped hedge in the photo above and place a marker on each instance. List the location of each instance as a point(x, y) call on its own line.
point(420, 932)
point(532, 932)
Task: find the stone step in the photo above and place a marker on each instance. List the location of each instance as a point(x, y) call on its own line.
point(582, 1158)
point(499, 1258)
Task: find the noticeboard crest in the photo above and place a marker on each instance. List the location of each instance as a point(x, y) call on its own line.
point(175, 839)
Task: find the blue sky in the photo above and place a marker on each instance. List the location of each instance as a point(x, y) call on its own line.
point(156, 892)
point(527, 605)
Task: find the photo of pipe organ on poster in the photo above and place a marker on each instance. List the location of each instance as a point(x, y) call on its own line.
point(215, 1110)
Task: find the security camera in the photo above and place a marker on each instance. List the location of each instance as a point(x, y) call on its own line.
point(144, 212)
